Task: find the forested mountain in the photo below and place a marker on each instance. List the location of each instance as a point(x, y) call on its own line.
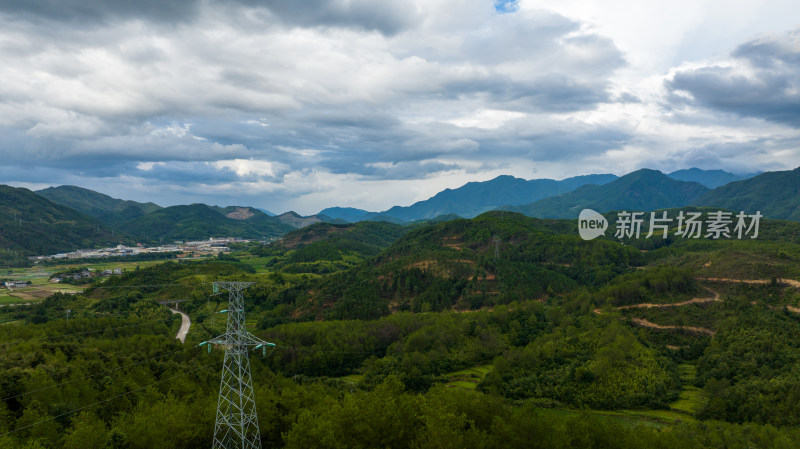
point(459, 264)
point(474, 198)
point(296, 220)
point(199, 221)
point(94, 204)
point(350, 214)
point(709, 178)
point(266, 211)
point(33, 225)
point(328, 247)
point(642, 190)
point(775, 194)
point(489, 332)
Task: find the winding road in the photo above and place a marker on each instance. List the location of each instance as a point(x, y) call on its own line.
point(700, 330)
point(185, 324)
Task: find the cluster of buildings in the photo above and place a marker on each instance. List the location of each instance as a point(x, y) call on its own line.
point(16, 284)
point(86, 274)
point(212, 246)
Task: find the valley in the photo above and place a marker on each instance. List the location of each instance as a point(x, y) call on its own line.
point(472, 332)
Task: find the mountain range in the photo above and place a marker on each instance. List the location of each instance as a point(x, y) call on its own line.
point(94, 204)
point(474, 198)
point(97, 219)
point(642, 190)
point(199, 221)
point(709, 178)
point(774, 194)
point(505, 192)
point(31, 224)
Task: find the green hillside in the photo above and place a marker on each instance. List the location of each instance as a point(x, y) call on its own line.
point(94, 204)
point(33, 225)
point(198, 221)
point(775, 194)
point(642, 190)
point(326, 247)
point(474, 198)
point(490, 332)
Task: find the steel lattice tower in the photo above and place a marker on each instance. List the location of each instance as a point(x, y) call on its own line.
point(236, 425)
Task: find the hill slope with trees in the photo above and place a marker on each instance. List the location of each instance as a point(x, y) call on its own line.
point(642, 190)
point(94, 204)
point(774, 194)
point(33, 225)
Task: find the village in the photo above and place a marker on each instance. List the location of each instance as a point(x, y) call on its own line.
point(212, 246)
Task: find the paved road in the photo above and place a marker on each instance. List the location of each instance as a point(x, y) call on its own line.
point(185, 323)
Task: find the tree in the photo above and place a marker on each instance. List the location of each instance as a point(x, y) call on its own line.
point(116, 440)
point(87, 432)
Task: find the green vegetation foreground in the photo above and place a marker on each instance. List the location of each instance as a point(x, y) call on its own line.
point(373, 320)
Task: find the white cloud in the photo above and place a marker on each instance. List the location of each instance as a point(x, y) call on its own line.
point(355, 104)
point(246, 167)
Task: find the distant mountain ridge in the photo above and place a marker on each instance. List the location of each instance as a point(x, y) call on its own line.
point(199, 221)
point(641, 190)
point(350, 214)
point(775, 194)
point(298, 221)
point(33, 225)
point(95, 204)
point(709, 178)
point(474, 198)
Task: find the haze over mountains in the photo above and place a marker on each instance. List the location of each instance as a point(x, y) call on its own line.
point(775, 194)
point(642, 190)
point(96, 219)
point(504, 192)
point(475, 198)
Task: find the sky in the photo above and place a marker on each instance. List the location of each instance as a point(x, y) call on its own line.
point(302, 105)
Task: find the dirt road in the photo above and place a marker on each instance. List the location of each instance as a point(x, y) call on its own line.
point(185, 324)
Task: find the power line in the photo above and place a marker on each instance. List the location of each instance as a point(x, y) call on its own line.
point(106, 400)
point(105, 287)
point(236, 425)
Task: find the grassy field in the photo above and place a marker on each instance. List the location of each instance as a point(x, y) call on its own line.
point(690, 401)
point(632, 418)
point(8, 299)
point(41, 274)
point(468, 378)
point(354, 378)
point(41, 287)
point(691, 398)
point(259, 263)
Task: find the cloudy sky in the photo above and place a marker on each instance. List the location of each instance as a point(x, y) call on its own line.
point(300, 105)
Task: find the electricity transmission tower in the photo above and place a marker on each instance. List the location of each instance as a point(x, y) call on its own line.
point(236, 426)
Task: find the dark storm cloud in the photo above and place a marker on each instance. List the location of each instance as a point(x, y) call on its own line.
point(765, 84)
point(93, 11)
point(556, 93)
point(748, 156)
point(188, 172)
point(406, 170)
point(771, 53)
point(387, 17)
point(565, 144)
point(192, 97)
